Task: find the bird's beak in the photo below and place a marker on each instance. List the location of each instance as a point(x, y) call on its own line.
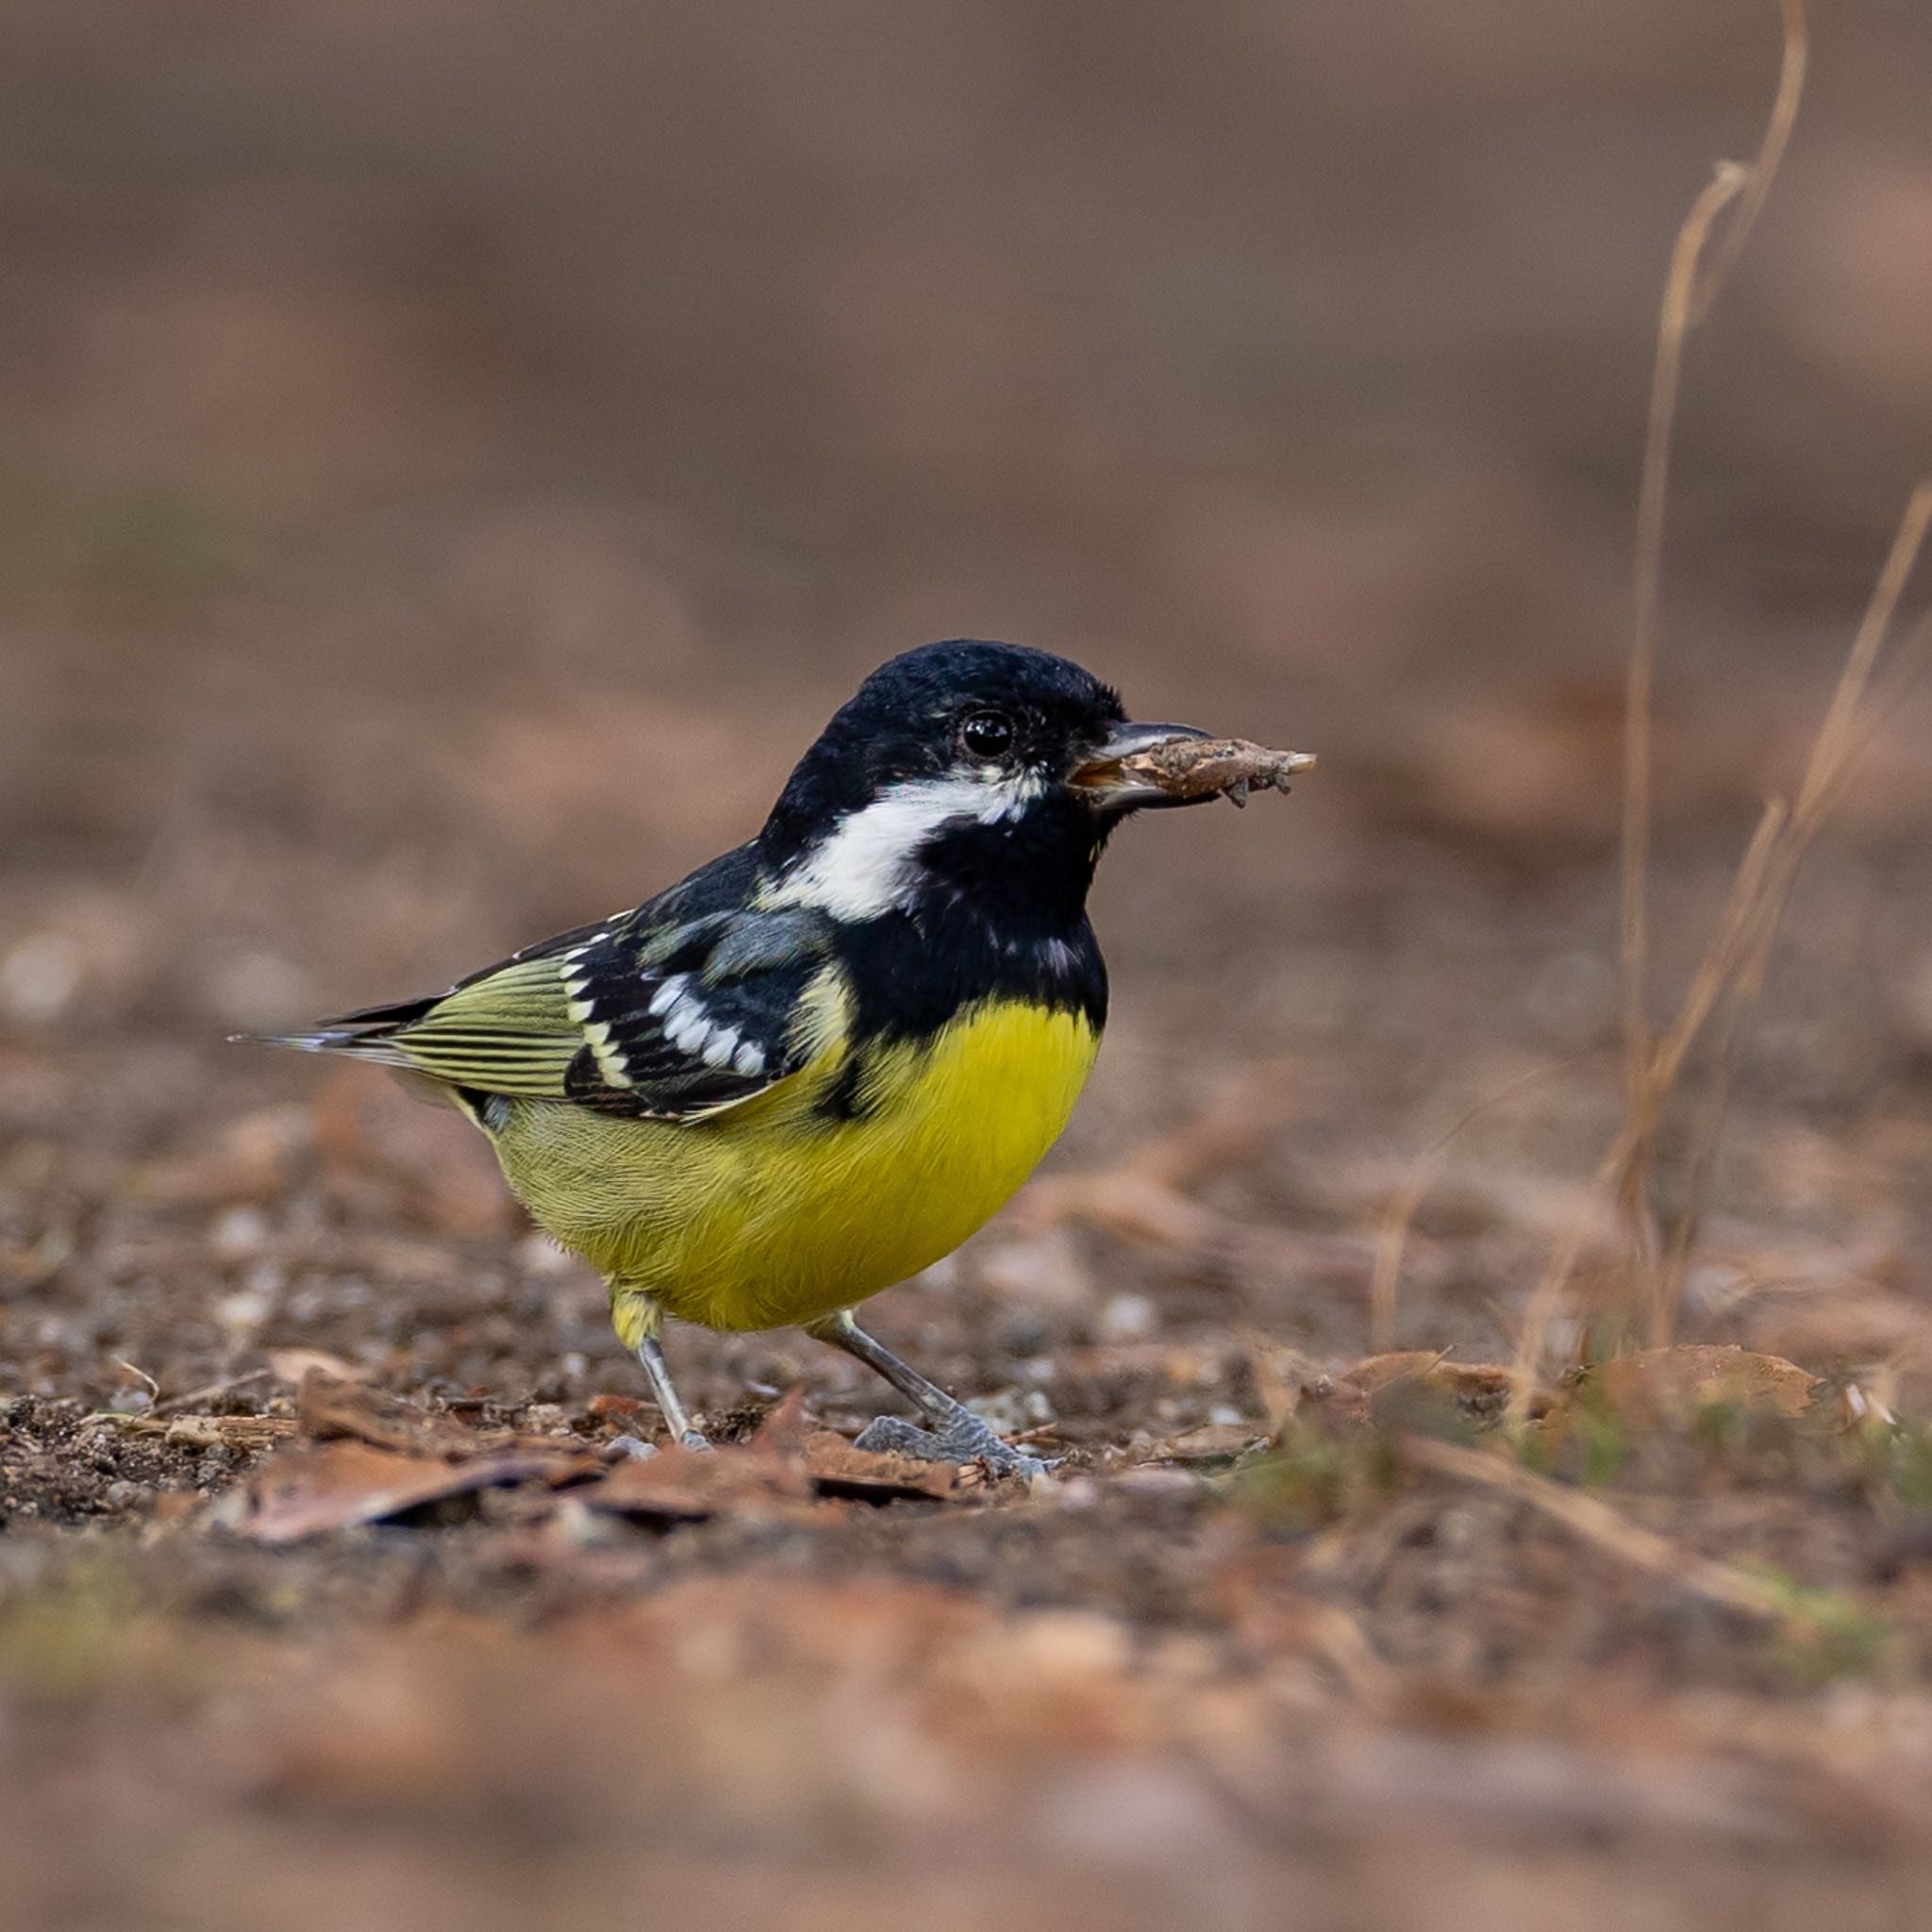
point(1100, 779)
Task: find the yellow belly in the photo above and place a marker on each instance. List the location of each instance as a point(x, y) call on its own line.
point(770, 1214)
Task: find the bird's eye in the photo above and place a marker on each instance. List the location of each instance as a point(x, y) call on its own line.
point(987, 733)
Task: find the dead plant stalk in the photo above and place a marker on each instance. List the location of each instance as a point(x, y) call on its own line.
point(1732, 972)
point(1687, 301)
point(1596, 1523)
point(1734, 965)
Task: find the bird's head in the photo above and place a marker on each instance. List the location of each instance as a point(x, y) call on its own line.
point(987, 770)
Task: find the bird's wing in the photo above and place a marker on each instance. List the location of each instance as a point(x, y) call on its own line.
point(646, 1015)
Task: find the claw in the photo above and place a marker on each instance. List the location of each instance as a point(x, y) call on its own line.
point(965, 1440)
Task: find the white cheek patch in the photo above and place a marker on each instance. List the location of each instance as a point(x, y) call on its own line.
point(869, 862)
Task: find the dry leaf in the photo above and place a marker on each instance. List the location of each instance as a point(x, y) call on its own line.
point(336, 1485)
point(328, 1408)
point(1482, 1388)
point(295, 1365)
point(1657, 1383)
point(785, 1464)
point(837, 1468)
point(689, 1485)
point(1212, 1443)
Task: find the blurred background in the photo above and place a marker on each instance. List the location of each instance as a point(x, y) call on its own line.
point(452, 460)
point(453, 457)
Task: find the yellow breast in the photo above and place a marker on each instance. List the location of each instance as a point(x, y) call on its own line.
point(771, 1213)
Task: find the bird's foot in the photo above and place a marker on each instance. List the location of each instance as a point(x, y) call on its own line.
point(963, 1439)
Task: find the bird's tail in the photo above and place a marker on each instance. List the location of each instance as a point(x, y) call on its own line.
point(361, 1046)
point(364, 1036)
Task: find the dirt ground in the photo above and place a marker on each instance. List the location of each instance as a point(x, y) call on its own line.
point(451, 469)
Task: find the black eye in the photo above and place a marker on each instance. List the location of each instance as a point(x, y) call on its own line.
point(987, 733)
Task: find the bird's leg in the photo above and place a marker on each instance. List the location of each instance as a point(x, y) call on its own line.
point(955, 1434)
point(676, 1417)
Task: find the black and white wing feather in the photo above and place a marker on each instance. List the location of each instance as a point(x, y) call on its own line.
point(650, 1015)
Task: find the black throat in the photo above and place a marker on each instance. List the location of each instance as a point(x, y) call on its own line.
point(999, 912)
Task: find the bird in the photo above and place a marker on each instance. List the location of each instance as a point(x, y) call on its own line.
point(817, 1064)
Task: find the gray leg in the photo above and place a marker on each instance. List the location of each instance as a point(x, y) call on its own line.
point(957, 1435)
point(665, 1396)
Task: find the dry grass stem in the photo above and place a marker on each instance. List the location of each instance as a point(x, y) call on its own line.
point(1846, 732)
point(1653, 498)
point(1727, 949)
point(1687, 300)
point(1839, 737)
point(1734, 964)
point(1594, 1521)
point(1707, 1134)
point(1548, 1295)
point(1392, 1236)
point(1771, 151)
point(1892, 689)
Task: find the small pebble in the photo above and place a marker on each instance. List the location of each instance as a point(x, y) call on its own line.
point(39, 978)
point(1125, 1318)
point(1156, 1482)
point(248, 1308)
point(1012, 1411)
point(239, 1233)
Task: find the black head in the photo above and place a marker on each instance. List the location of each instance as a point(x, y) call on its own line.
point(967, 770)
point(975, 711)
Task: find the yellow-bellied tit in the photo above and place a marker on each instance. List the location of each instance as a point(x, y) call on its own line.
point(819, 1063)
